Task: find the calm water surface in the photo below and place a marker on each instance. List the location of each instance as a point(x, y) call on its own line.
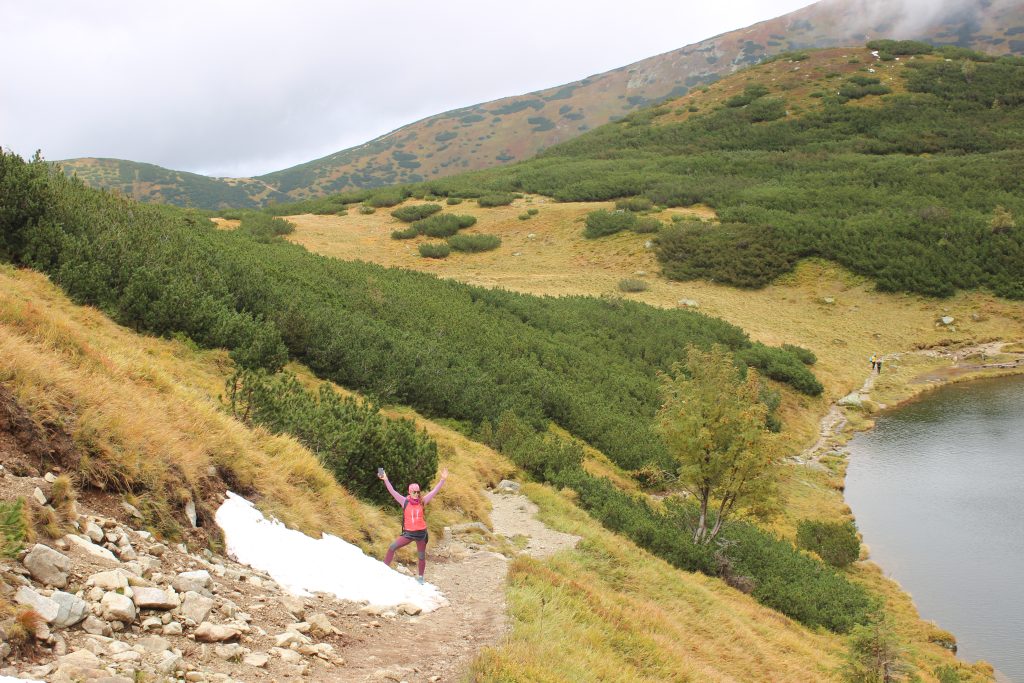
point(938, 491)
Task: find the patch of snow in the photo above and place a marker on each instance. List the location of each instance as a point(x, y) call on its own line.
point(304, 565)
point(10, 679)
point(874, 53)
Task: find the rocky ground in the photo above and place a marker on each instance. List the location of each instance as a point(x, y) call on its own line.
point(110, 602)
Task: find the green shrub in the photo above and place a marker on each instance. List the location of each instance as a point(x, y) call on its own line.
point(634, 204)
point(533, 212)
point(782, 366)
point(834, 542)
point(806, 356)
point(264, 228)
point(647, 224)
point(390, 196)
point(633, 285)
point(350, 438)
point(600, 223)
point(405, 233)
point(901, 47)
point(443, 225)
point(417, 212)
point(434, 250)
point(524, 216)
point(366, 210)
point(453, 201)
point(474, 243)
point(497, 199)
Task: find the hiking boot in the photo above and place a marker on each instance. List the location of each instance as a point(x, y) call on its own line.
point(420, 579)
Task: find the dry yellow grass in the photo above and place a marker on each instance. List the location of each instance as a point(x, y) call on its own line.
point(145, 412)
point(611, 612)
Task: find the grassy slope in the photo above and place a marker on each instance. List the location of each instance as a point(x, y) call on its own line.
point(148, 411)
point(547, 255)
point(498, 132)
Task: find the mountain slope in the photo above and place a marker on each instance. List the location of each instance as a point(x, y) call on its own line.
point(515, 128)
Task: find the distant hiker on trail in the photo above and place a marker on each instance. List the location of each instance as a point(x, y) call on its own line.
point(878, 364)
point(874, 362)
point(414, 524)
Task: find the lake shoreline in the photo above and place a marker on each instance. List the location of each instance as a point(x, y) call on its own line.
point(912, 376)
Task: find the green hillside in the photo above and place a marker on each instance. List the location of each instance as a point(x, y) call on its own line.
point(902, 167)
point(516, 128)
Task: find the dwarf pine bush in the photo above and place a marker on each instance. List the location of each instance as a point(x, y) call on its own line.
point(417, 212)
point(434, 250)
point(474, 243)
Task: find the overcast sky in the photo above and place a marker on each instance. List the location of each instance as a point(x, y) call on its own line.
point(236, 88)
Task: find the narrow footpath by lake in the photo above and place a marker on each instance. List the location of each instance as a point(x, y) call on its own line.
point(938, 492)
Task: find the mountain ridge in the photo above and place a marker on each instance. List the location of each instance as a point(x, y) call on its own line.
point(517, 127)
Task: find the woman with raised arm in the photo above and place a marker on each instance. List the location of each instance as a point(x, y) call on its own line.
point(414, 523)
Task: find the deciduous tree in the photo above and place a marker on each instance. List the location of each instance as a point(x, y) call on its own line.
point(713, 424)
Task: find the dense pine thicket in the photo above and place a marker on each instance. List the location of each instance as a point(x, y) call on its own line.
point(351, 438)
point(908, 192)
point(445, 348)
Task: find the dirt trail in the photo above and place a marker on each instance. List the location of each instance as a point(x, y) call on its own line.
point(439, 646)
point(834, 421)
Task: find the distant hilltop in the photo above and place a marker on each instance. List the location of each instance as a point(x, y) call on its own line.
point(517, 127)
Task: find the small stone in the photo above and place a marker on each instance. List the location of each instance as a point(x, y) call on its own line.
point(322, 626)
point(96, 626)
point(39, 496)
point(687, 303)
point(170, 662)
point(113, 580)
point(172, 629)
point(117, 607)
point(231, 651)
point(131, 510)
point(196, 607)
point(410, 609)
point(89, 547)
point(94, 533)
point(257, 659)
point(287, 656)
point(945, 320)
point(507, 486)
point(215, 633)
point(151, 623)
point(192, 581)
point(153, 644)
point(157, 549)
point(50, 477)
point(288, 638)
point(155, 598)
point(190, 512)
point(295, 605)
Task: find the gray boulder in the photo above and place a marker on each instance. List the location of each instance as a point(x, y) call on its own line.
point(72, 609)
point(196, 607)
point(48, 566)
point(155, 598)
point(117, 607)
